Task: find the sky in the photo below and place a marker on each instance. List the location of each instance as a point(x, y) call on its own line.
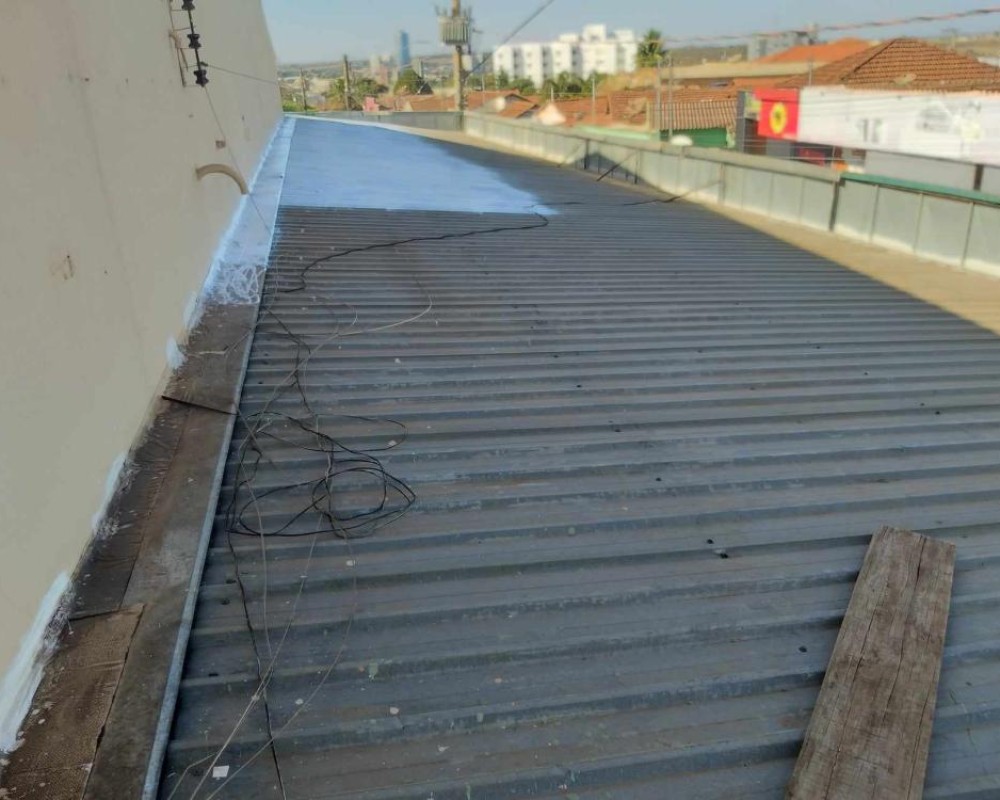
point(325, 30)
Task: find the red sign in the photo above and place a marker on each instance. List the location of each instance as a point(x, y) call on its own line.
point(779, 113)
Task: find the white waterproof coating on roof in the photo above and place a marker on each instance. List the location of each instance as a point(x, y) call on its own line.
point(372, 167)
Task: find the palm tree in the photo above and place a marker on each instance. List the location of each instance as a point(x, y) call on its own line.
point(650, 49)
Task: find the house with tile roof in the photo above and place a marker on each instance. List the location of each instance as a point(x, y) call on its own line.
point(570, 111)
point(903, 109)
point(706, 116)
point(506, 103)
point(910, 64)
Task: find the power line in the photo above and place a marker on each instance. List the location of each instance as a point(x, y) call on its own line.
point(534, 15)
point(837, 27)
point(849, 26)
point(242, 74)
point(355, 93)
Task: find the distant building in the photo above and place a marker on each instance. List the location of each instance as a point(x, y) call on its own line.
point(594, 50)
point(765, 45)
point(403, 59)
point(381, 69)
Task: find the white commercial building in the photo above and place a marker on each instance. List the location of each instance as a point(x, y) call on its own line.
point(959, 126)
point(595, 50)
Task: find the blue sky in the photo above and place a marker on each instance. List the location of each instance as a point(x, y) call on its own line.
point(314, 30)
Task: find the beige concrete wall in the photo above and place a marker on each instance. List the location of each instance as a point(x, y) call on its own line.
point(106, 237)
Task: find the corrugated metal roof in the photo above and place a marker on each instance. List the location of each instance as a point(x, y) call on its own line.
point(648, 446)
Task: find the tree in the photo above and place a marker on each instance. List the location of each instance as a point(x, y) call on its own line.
point(291, 98)
point(596, 79)
point(410, 82)
point(501, 80)
point(360, 89)
point(368, 87)
point(523, 86)
point(650, 49)
point(336, 95)
point(565, 84)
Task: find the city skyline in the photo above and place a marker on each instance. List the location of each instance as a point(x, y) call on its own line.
point(320, 30)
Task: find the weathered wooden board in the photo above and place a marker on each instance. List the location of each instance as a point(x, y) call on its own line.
point(870, 732)
point(70, 709)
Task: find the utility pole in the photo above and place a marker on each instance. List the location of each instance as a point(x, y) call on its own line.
point(670, 97)
point(305, 95)
point(456, 13)
point(347, 84)
point(658, 116)
point(593, 98)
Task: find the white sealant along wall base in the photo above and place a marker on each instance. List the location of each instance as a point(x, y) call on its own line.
point(106, 234)
point(24, 674)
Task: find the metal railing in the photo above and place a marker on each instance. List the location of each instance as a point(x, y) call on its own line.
point(938, 223)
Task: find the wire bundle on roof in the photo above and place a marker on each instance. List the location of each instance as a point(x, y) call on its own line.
point(339, 469)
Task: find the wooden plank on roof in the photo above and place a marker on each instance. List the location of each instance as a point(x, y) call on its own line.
point(870, 731)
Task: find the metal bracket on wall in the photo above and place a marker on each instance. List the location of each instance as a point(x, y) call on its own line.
point(223, 169)
point(182, 60)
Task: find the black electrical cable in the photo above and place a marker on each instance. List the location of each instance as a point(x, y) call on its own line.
point(394, 496)
point(544, 222)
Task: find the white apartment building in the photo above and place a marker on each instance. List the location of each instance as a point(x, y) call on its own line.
point(593, 50)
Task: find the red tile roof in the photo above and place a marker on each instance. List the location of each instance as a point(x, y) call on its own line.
point(476, 99)
point(417, 102)
point(580, 109)
point(818, 53)
point(693, 108)
point(516, 108)
point(700, 114)
point(905, 64)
